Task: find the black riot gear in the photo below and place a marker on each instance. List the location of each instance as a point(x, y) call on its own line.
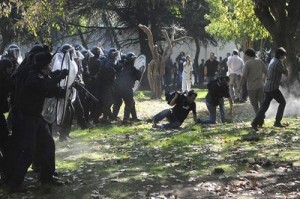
point(39, 48)
point(97, 51)
point(64, 48)
point(79, 47)
point(112, 53)
point(13, 51)
point(68, 48)
point(42, 60)
point(130, 57)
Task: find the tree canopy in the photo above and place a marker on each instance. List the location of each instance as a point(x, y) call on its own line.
point(235, 20)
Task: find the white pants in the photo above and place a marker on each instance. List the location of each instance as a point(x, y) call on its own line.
point(234, 87)
point(186, 83)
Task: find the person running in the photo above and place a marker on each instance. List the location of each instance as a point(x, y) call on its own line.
point(276, 68)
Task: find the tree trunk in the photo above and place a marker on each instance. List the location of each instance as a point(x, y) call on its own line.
point(83, 41)
point(281, 19)
point(156, 68)
point(196, 60)
point(7, 33)
point(145, 51)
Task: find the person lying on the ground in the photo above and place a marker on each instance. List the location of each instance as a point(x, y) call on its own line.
point(182, 105)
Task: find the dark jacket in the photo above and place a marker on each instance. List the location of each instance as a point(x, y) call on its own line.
point(6, 86)
point(216, 91)
point(127, 76)
point(31, 92)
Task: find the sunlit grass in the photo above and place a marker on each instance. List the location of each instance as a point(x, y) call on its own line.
point(121, 161)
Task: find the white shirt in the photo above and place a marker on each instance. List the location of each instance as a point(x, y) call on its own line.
point(235, 65)
point(187, 69)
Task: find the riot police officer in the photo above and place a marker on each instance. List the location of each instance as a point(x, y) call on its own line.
point(105, 80)
point(125, 80)
point(94, 66)
point(14, 55)
point(29, 127)
point(6, 86)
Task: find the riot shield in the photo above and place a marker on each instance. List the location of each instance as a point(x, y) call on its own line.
point(139, 64)
point(61, 61)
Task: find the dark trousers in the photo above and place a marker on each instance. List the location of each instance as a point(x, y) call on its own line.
point(3, 131)
point(30, 132)
point(105, 96)
point(173, 121)
point(3, 145)
point(91, 108)
point(126, 96)
point(65, 127)
point(79, 112)
point(269, 96)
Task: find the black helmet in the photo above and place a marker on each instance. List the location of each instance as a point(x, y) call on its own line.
point(12, 46)
point(87, 53)
point(39, 48)
point(112, 53)
point(64, 48)
point(13, 50)
point(79, 47)
point(96, 51)
point(130, 56)
point(68, 48)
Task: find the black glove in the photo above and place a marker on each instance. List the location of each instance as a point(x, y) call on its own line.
point(142, 69)
point(55, 73)
point(76, 84)
point(61, 93)
point(63, 73)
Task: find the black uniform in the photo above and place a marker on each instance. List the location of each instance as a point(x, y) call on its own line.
point(94, 108)
point(29, 127)
point(6, 86)
point(125, 80)
point(105, 83)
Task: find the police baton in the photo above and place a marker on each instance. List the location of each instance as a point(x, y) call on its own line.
point(86, 91)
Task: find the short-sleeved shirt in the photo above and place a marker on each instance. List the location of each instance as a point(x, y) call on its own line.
point(216, 92)
point(182, 108)
point(212, 67)
point(253, 72)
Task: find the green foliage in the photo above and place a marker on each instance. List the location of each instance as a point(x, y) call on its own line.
point(41, 17)
point(7, 6)
point(234, 20)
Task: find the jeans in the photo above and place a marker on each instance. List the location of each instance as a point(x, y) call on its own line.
point(173, 122)
point(269, 96)
point(213, 113)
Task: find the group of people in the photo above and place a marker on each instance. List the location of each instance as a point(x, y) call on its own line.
point(188, 74)
point(262, 85)
point(87, 84)
point(101, 81)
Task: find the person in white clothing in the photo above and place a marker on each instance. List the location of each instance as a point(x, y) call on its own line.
point(235, 68)
point(187, 75)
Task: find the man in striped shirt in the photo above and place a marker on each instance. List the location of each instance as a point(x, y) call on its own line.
point(271, 89)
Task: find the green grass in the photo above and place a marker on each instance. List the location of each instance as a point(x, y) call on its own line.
point(136, 161)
